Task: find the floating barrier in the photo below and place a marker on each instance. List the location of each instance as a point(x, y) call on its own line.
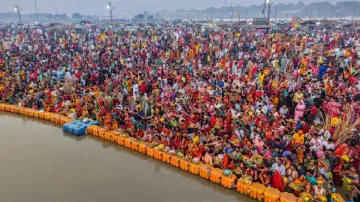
point(271, 194)
point(166, 158)
point(175, 161)
point(228, 181)
point(287, 197)
point(142, 148)
point(150, 152)
point(205, 171)
point(76, 127)
point(195, 168)
point(216, 175)
point(135, 146)
point(157, 155)
point(185, 165)
point(255, 190)
point(242, 187)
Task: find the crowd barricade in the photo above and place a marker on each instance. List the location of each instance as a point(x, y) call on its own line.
point(228, 181)
point(194, 168)
point(37, 114)
point(205, 171)
point(166, 158)
point(47, 115)
point(107, 135)
point(31, 112)
point(271, 194)
point(184, 165)
point(92, 129)
point(18, 110)
point(257, 190)
point(12, 109)
point(287, 197)
point(121, 140)
point(157, 155)
point(150, 151)
point(114, 137)
point(41, 115)
point(102, 133)
point(128, 142)
point(142, 148)
point(175, 161)
point(135, 145)
point(242, 187)
point(2, 107)
point(216, 175)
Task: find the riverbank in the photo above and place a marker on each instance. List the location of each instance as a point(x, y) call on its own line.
point(41, 163)
point(254, 190)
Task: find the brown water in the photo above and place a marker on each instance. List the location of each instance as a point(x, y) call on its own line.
point(41, 163)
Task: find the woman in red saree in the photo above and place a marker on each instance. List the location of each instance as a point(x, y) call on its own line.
point(277, 181)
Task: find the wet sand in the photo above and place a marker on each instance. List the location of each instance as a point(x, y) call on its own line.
point(41, 163)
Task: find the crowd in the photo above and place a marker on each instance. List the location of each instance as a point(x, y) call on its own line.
point(281, 108)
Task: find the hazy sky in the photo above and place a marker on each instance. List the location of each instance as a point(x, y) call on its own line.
point(97, 7)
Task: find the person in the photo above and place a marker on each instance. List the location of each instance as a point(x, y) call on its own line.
point(298, 138)
point(319, 191)
point(278, 166)
point(264, 177)
point(299, 110)
point(310, 178)
point(291, 173)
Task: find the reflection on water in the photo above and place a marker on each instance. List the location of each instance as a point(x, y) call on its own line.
point(41, 163)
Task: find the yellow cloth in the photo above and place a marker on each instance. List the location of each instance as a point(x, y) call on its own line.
point(297, 97)
point(299, 139)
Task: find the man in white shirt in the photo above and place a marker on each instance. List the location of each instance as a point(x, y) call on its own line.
point(278, 166)
point(329, 144)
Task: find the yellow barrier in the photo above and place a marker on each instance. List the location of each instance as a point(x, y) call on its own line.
point(228, 181)
point(175, 161)
point(41, 114)
point(216, 175)
point(18, 110)
point(107, 135)
point(91, 129)
point(114, 138)
point(31, 113)
point(150, 152)
point(128, 143)
point(7, 108)
point(271, 194)
point(47, 115)
point(205, 171)
point(12, 109)
point(166, 158)
point(257, 190)
point(194, 168)
point(185, 165)
point(157, 154)
point(242, 188)
point(121, 140)
point(135, 146)
point(142, 148)
point(287, 197)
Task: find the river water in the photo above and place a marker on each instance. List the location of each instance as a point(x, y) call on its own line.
point(41, 163)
